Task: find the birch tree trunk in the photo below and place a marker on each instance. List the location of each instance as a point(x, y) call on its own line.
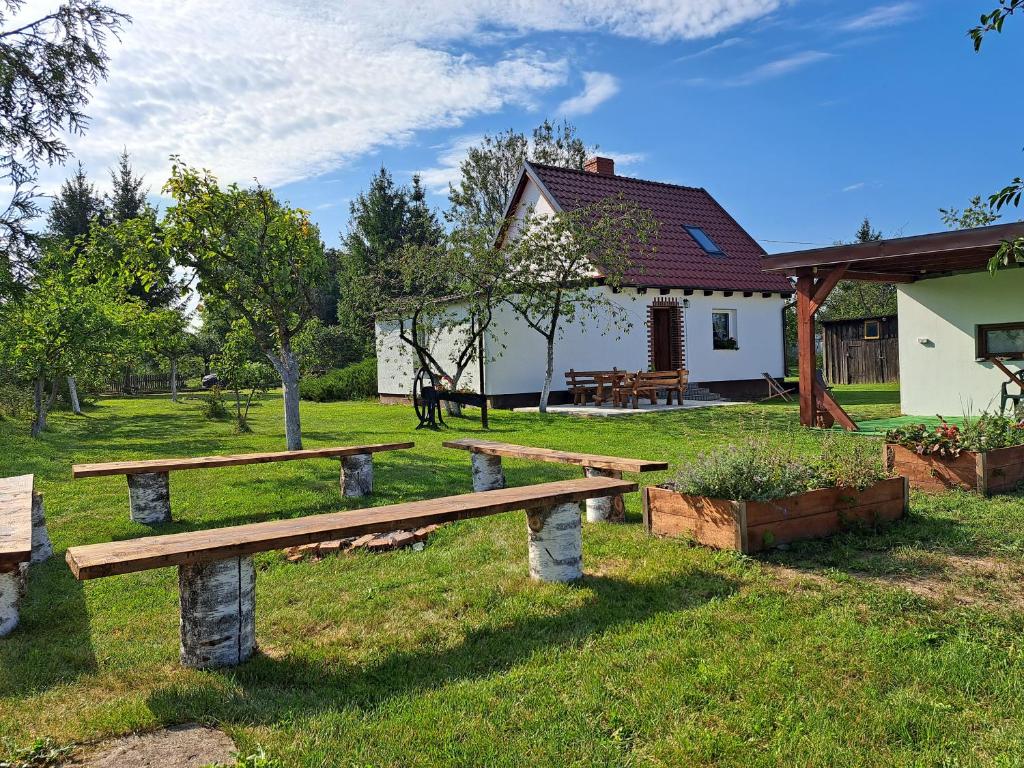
point(76, 407)
point(174, 379)
point(549, 373)
point(287, 368)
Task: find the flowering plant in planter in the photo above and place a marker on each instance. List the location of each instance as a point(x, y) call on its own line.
point(987, 432)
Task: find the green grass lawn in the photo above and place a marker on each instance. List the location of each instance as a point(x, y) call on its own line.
point(895, 647)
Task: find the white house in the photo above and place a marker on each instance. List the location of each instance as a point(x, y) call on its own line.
point(700, 302)
point(961, 328)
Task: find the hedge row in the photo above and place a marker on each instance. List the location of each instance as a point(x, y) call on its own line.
point(353, 382)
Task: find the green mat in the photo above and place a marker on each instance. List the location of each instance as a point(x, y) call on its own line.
point(878, 427)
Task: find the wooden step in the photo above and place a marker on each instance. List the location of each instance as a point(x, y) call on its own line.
point(208, 462)
point(97, 560)
point(613, 463)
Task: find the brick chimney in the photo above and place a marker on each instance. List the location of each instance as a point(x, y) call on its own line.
point(602, 165)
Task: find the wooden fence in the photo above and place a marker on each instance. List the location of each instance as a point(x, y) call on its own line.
point(143, 384)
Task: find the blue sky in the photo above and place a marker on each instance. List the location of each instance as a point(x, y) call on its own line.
point(800, 116)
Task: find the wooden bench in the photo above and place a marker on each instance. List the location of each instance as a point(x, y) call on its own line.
point(23, 539)
point(216, 578)
point(149, 491)
point(488, 474)
point(649, 383)
point(584, 384)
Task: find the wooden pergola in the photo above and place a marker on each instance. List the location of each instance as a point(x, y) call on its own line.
point(900, 260)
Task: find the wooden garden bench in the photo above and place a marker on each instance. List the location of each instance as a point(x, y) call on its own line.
point(149, 492)
point(584, 384)
point(649, 383)
point(23, 539)
point(488, 474)
point(216, 578)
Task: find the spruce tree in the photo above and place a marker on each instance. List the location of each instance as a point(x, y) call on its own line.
point(77, 206)
point(127, 199)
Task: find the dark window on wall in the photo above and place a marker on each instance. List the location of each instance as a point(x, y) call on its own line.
point(704, 241)
point(723, 329)
point(1001, 340)
point(872, 329)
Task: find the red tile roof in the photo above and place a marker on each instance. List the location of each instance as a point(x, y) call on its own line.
point(677, 261)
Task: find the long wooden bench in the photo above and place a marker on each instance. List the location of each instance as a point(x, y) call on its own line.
point(215, 571)
point(23, 539)
point(649, 383)
point(149, 491)
point(488, 474)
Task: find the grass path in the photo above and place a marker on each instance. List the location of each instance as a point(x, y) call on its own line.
point(664, 655)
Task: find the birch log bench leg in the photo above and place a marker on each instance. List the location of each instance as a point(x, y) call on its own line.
point(149, 490)
point(486, 455)
point(216, 579)
point(23, 540)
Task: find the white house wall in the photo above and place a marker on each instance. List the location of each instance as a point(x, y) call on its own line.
point(520, 367)
point(938, 370)
point(516, 352)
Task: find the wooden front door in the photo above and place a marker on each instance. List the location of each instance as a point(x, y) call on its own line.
point(661, 337)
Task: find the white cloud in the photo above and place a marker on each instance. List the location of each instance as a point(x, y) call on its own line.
point(436, 179)
point(598, 87)
point(779, 67)
point(285, 90)
point(855, 187)
point(729, 42)
point(880, 16)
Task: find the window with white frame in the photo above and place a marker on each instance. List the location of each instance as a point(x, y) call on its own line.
point(723, 329)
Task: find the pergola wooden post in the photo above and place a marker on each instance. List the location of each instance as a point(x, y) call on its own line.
point(900, 260)
point(817, 407)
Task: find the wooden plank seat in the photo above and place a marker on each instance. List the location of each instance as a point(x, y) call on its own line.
point(149, 493)
point(215, 571)
point(649, 383)
point(23, 540)
point(488, 474)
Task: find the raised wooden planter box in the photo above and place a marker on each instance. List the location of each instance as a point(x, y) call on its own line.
point(753, 526)
point(998, 471)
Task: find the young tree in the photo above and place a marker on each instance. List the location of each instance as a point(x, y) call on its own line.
point(127, 198)
point(384, 220)
point(448, 289)
point(75, 209)
point(50, 64)
point(491, 168)
point(556, 262)
point(976, 214)
point(1011, 251)
point(256, 255)
point(166, 335)
point(240, 372)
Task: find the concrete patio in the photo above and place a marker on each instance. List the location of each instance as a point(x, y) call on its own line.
point(608, 410)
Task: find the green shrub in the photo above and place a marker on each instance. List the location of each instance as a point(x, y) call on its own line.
point(212, 405)
point(354, 382)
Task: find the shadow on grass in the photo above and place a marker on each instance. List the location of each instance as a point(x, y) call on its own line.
point(51, 646)
point(273, 688)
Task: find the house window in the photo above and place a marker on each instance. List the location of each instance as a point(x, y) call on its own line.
point(723, 329)
point(704, 241)
point(872, 329)
point(1001, 340)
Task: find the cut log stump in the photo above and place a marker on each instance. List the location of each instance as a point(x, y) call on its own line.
point(42, 549)
point(12, 587)
point(556, 543)
point(149, 495)
point(605, 509)
point(487, 472)
point(218, 606)
point(357, 475)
